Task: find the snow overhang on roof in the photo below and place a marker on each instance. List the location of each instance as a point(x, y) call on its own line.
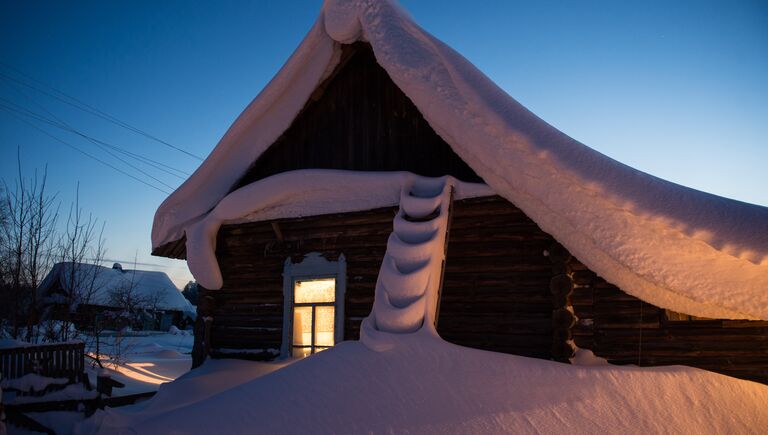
point(667, 244)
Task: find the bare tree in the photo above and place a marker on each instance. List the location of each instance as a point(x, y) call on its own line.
point(80, 250)
point(31, 241)
point(17, 208)
point(27, 225)
point(154, 303)
point(127, 296)
point(39, 237)
point(4, 221)
point(131, 302)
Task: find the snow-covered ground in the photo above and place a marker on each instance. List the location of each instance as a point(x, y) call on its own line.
point(425, 385)
point(148, 360)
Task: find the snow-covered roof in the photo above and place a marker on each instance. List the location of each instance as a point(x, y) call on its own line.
point(104, 281)
point(667, 244)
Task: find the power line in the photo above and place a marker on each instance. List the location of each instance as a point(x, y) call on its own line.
point(114, 260)
point(81, 151)
point(59, 123)
point(63, 125)
point(66, 127)
point(74, 102)
point(31, 114)
point(78, 104)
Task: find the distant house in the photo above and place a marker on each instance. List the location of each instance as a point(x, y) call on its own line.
point(381, 184)
point(140, 299)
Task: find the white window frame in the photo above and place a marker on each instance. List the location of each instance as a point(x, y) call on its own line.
point(313, 266)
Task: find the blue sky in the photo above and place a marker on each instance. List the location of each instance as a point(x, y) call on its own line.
point(676, 89)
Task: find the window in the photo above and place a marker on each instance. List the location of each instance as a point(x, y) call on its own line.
point(313, 312)
point(313, 316)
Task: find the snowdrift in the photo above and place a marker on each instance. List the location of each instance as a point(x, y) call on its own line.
point(425, 385)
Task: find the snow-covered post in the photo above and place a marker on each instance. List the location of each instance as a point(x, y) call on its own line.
point(105, 383)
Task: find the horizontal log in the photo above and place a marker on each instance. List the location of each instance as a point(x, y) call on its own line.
point(761, 324)
point(492, 311)
point(520, 326)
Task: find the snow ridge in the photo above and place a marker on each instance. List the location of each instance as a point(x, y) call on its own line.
point(411, 272)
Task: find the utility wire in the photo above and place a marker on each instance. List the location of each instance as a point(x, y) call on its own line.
point(58, 123)
point(64, 126)
point(81, 151)
point(74, 102)
point(31, 114)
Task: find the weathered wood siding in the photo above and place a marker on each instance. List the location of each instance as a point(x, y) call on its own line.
point(496, 287)
point(360, 120)
point(495, 294)
point(625, 330)
point(248, 310)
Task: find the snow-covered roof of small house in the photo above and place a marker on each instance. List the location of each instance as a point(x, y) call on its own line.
point(667, 244)
point(100, 282)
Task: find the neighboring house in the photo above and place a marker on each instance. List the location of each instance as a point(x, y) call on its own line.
point(141, 299)
point(550, 245)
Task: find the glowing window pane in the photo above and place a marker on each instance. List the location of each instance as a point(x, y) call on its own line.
point(302, 326)
point(324, 320)
point(315, 290)
point(301, 352)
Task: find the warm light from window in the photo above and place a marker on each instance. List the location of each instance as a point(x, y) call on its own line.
point(313, 316)
point(315, 290)
point(324, 320)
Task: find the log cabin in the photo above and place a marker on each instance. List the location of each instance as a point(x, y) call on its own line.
point(545, 247)
point(84, 294)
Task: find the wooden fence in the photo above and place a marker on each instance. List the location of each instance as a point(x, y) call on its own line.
point(55, 360)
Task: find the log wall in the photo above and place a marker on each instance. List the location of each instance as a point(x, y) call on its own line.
point(248, 311)
point(501, 293)
point(625, 330)
point(496, 288)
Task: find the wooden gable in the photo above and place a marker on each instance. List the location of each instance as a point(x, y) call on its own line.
point(358, 119)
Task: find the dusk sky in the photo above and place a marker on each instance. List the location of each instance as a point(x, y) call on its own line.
point(676, 89)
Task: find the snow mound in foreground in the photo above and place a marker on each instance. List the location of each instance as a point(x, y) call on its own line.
point(424, 385)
